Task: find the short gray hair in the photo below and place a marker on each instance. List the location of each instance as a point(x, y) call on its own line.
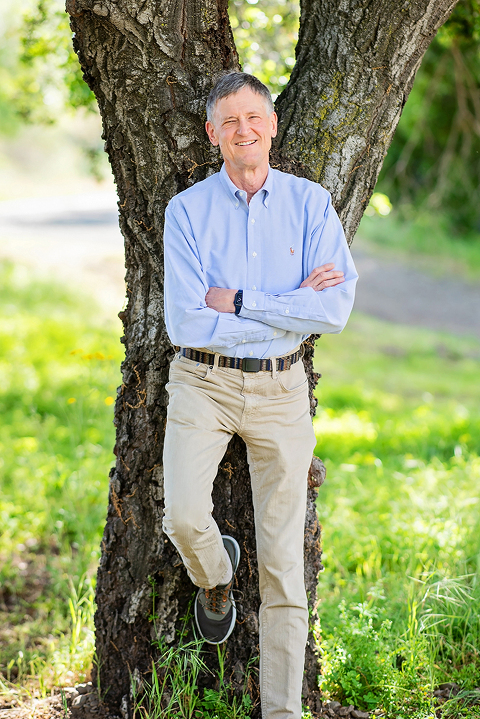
point(232, 83)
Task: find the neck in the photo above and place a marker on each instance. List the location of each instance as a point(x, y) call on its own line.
point(251, 180)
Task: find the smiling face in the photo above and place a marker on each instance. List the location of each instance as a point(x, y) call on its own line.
point(243, 128)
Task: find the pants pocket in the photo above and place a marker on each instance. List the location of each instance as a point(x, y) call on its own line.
point(293, 379)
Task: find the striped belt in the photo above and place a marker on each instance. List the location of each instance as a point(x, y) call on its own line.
point(247, 364)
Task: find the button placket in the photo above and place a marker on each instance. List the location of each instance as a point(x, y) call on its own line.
point(259, 229)
point(254, 235)
point(251, 249)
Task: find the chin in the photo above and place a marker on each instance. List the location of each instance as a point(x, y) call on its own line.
point(253, 159)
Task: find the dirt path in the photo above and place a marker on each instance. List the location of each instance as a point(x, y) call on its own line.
point(75, 239)
point(72, 239)
point(396, 291)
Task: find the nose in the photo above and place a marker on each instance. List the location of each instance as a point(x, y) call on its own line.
point(243, 127)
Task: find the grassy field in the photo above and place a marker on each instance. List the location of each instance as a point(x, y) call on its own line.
point(398, 427)
point(60, 370)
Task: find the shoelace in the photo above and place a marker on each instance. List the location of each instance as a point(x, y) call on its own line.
point(216, 598)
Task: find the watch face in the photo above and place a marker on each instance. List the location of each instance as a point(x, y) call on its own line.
point(238, 301)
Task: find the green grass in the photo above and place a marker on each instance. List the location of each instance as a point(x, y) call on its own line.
point(398, 427)
point(59, 370)
point(173, 690)
point(425, 236)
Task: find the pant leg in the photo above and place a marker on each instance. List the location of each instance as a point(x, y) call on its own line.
point(200, 424)
point(280, 441)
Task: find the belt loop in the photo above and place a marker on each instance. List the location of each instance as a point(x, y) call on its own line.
point(273, 360)
point(215, 363)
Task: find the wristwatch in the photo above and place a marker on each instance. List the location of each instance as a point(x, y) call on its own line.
point(238, 301)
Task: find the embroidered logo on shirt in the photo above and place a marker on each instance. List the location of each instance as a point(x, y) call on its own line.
point(292, 251)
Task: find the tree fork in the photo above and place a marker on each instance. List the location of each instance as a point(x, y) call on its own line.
point(151, 66)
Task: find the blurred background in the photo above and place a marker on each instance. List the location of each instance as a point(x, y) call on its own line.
point(398, 421)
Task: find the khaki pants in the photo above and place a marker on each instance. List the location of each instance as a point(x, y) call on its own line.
point(270, 411)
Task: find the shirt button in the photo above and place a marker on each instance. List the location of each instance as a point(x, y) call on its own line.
point(254, 304)
point(254, 288)
point(250, 353)
point(274, 334)
point(287, 311)
point(253, 222)
point(254, 254)
point(243, 341)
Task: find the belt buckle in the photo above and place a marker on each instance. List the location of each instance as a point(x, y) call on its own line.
point(251, 364)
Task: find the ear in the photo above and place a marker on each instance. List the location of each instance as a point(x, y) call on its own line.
point(211, 133)
point(274, 123)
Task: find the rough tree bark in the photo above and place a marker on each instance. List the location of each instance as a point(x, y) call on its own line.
point(151, 64)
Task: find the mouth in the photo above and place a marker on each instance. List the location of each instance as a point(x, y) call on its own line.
point(244, 144)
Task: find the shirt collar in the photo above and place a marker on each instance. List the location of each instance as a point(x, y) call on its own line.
point(235, 193)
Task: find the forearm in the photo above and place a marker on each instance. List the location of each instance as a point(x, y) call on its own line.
point(303, 310)
point(204, 327)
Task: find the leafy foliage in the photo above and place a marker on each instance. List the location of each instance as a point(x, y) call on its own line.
point(52, 72)
point(434, 158)
point(266, 33)
point(40, 73)
point(362, 666)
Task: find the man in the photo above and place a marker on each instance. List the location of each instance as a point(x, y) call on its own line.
point(255, 261)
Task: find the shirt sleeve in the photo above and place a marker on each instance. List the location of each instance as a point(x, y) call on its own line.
point(304, 310)
point(190, 323)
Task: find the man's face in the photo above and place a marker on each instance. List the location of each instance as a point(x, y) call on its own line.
point(243, 128)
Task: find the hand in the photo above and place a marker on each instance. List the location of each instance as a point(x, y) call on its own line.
point(220, 300)
point(322, 277)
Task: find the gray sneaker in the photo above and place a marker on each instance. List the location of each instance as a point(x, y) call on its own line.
point(215, 612)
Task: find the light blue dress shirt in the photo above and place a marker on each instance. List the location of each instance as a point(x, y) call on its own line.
point(213, 238)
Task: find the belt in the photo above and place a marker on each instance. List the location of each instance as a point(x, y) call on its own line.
point(247, 364)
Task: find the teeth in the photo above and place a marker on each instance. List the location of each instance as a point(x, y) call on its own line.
point(246, 143)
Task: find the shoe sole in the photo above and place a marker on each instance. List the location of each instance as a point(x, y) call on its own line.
point(235, 560)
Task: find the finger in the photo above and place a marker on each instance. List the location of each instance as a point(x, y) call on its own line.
point(338, 276)
point(324, 268)
point(317, 270)
point(332, 275)
point(332, 283)
point(328, 283)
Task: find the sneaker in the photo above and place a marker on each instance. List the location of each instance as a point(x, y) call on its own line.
point(215, 612)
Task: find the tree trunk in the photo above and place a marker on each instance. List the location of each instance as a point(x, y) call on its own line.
point(151, 65)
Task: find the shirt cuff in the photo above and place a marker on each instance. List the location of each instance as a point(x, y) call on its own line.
point(301, 303)
point(253, 300)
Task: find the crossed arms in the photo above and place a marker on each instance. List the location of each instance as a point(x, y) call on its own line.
point(200, 315)
point(221, 300)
